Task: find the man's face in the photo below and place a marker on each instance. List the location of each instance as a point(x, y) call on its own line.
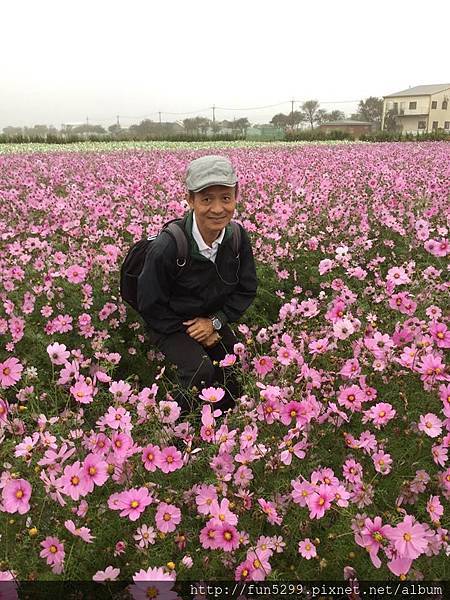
point(213, 208)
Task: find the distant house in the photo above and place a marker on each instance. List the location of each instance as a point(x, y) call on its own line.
point(356, 128)
point(420, 109)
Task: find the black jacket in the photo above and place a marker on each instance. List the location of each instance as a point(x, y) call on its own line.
point(167, 296)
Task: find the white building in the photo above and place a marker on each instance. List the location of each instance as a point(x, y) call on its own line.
point(420, 109)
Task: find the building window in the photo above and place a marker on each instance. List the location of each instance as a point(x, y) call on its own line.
point(412, 105)
point(434, 104)
point(422, 125)
point(435, 124)
point(447, 125)
point(444, 105)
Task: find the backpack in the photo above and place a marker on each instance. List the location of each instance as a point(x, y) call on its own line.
point(135, 258)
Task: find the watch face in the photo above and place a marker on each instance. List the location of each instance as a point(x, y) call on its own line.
point(217, 323)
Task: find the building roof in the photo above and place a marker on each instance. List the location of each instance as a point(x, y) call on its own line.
point(347, 122)
point(421, 90)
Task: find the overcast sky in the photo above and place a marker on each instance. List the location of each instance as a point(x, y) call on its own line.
point(62, 61)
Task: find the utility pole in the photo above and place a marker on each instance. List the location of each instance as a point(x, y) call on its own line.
point(159, 117)
point(292, 115)
point(118, 123)
point(214, 118)
point(87, 120)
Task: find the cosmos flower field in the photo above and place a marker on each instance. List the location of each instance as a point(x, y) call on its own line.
point(334, 462)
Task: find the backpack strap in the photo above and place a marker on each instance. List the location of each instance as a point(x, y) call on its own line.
point(175, 228)
point(236, 241)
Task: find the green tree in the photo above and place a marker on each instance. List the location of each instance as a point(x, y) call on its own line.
point(280, 120)
point(371, 109)
point(242, 125)
point(310, 108)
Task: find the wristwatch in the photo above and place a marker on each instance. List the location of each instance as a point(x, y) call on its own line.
point(216, 322)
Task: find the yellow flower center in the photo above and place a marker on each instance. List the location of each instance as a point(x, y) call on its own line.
point(19, 494)
point(407, 537)
point(166, 517)
point(75, 480)
point(134, 504)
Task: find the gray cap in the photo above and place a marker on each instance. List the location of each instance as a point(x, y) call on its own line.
point(210, 170)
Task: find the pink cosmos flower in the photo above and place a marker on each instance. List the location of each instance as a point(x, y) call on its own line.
point(153, 583)
point(290, 411)
point(169, 411)
point(343, 328)
point(204, 499)
point(318, 346)
point(440, 334)
point(132, 503)
point(325, 265)
point(109, 574)
point(409, 538)
point(302, 490)
point(380, 414)
point(167, 517)
point(150, 456)
point(259, 560)
point(435, 508)
point(58, 353)
point(75, 274)
point(118, 418)
point(352, 471)
point(210, 535)
point(212, 394)
point(222, 512)
point(244, 571)
point(400, 566)
point(53, 551)
point(397, 275)
point(95, 471)
point(228, 360)
point(430, 424)
point(371, 537)
point(320, 501)
point(351, 398)
point(82, 392)
point(10, 372)
point(16, 496)
point(270, 510)
point(307, 549)
point(382, 462)
point(73, 482)
point(431, 367)
point(120, 390)
point(227, 537)
point(144, 536)
point(243, 476)
point(83, 532)
point(263, 365)
point(3, 411)
point(285, 355)
point(169, 459)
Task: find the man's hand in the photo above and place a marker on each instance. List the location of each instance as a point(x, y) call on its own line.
point(199, 328)
point(212, 340)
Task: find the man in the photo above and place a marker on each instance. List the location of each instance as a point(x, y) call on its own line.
point(187, 311)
